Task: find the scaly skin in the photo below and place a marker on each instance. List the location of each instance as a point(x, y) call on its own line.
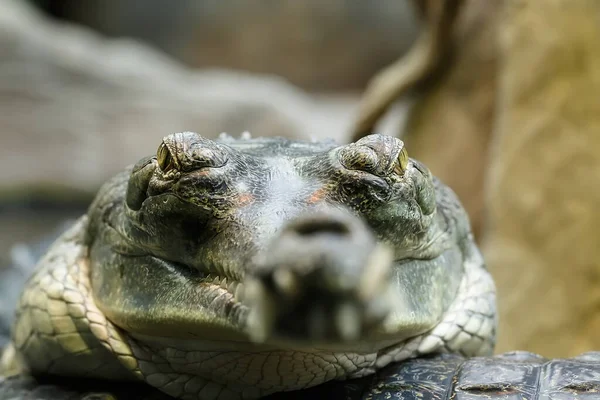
point(238, 268)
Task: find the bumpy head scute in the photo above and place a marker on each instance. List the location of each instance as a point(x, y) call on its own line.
point(189, 151)
point(377, 154)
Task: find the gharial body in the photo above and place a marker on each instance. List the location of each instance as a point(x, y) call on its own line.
point(237, 268)
point(510, 376)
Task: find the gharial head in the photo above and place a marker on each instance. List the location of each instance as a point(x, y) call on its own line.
point(279, 241)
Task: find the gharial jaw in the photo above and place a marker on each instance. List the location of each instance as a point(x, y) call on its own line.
point(223, 371)
point(324, 281)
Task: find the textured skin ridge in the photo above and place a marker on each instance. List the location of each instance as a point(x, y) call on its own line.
point(468, 328)
point(58, 327)
point(469, 325)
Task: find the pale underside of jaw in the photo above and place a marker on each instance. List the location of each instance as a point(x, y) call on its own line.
point(261, 313)
point(468, 326)
point(261, 305)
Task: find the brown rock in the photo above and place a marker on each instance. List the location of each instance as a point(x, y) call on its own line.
point(450, 126)
point(543, 237)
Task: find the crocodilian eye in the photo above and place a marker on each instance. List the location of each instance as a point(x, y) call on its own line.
point(401, 162)
point(164, 158)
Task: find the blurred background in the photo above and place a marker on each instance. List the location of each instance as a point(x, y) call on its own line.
point(505, 110)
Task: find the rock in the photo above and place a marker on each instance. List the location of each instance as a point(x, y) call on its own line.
point(76, 108)
point(450, 126)
point(542, 237)
point(331, 45)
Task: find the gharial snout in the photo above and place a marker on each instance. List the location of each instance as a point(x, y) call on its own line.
point(324, 276)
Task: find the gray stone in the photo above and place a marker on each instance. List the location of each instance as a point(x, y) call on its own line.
point(76, 108)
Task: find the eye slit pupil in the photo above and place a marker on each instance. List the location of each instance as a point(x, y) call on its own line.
point(164, 158)
point(402, 162)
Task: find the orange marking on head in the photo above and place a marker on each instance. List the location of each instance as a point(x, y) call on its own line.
point(317, 196)
point(244, 199)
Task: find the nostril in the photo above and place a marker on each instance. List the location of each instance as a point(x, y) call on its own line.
point(323, 226)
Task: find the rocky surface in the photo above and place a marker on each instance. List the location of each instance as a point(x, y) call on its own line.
point(543, 188)
point(450, 126)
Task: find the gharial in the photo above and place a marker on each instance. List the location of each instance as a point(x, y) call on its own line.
point(236, 268)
